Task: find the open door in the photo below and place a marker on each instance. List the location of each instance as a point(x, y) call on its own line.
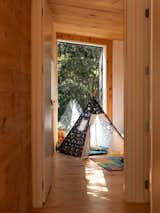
point(41, 107)
point(48, 91)
point(48, 126)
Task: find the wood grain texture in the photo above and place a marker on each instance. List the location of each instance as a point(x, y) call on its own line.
point(98, 41)
point(15, 144)
point(104, 17)
point(82, 186)
point(109, 80)
point(136, 102)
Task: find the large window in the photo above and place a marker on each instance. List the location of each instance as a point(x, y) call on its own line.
point(80, 74)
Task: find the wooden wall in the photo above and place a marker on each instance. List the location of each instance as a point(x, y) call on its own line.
point(15, 145)
point(104, 18)
point(136, 101)
point(118, 85)
point(155, 108)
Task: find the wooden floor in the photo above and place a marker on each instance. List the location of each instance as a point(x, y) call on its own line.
point(83, 187)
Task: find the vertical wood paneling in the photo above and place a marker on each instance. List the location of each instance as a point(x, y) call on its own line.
point(136, 101)
point(118, 85)
point(155, 108)
point(15, 115)
point(36, 106)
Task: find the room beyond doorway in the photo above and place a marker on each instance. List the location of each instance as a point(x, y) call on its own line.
point(133, 73)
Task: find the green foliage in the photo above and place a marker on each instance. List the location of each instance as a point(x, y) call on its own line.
point(78, 73)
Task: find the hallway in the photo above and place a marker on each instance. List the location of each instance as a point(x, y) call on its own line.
point(82, 186)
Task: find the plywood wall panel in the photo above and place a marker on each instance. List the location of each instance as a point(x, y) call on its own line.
point(15, 144)
point(136, 101)
point(70, 17)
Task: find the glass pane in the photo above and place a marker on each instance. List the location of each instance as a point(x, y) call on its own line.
point(80, 75)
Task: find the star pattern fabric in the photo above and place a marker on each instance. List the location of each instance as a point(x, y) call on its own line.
point(74, 141)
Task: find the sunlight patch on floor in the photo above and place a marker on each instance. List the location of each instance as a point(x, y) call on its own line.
point(96, 183)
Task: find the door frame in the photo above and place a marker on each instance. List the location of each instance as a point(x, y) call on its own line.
point(155, 106)
point(36, 102)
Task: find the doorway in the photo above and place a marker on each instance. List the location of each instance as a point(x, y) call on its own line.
point(77, 62)
point(133, 116)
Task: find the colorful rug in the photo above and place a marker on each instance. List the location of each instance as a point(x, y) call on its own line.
point(110, 163)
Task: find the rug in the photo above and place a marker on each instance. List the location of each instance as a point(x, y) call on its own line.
point(109, 163)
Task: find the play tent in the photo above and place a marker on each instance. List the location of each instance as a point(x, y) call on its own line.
point(92, 129)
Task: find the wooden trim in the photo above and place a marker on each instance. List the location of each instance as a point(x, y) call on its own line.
point(155, 106)
point(87, 39)
point(36, 103)
point(136, 102)
point(98, 41)
point(109, 79)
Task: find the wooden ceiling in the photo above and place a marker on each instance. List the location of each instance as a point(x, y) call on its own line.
point(96, 18)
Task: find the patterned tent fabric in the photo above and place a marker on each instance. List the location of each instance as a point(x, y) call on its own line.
point(75, 140)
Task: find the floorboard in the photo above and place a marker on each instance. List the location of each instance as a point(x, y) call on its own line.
point(83, 187)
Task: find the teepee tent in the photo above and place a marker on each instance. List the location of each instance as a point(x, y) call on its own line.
point(93, 128)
